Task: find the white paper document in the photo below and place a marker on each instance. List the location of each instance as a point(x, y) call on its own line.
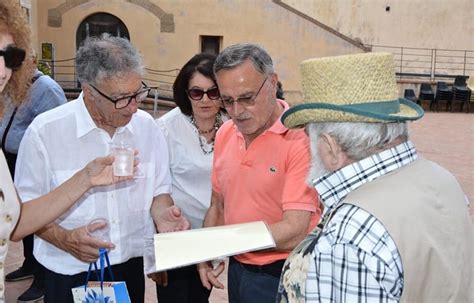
point(184, 248)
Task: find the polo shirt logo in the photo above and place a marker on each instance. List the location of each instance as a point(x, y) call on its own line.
point(273, 169)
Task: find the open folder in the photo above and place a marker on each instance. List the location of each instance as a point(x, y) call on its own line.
point(177, 249)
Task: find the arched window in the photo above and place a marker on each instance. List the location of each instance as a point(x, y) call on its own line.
point(99, 23)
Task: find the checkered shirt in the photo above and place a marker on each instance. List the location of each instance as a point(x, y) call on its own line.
point(355, 259)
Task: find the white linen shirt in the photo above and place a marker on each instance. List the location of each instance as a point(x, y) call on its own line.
point(62, 141)
point(190, 167)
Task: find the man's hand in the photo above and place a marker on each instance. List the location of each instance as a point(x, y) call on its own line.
point(99, 171)
point(209, 275)
point(170, 219)
point(82, 246)
point(160, 278)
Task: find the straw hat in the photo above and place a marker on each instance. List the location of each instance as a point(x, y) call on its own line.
point(351, 88)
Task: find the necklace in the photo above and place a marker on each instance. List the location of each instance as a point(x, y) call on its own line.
point(202, 139)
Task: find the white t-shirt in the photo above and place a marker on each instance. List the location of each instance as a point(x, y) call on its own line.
point(62, 141)
point(190, 166)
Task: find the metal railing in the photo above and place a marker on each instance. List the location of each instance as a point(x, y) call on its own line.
point(429, 64)
point(159, 100)
point(411, 63)
point(64, 72)
point(163, 79)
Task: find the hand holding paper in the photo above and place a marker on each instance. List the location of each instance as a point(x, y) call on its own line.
point(172, 250)
point(209, 275)
point(160, 278)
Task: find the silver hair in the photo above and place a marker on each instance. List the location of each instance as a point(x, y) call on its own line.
point(106, 57)
point(359, 140)
point(237, 54)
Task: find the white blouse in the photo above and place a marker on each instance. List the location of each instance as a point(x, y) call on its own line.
point(9, 214)
point(190, 166)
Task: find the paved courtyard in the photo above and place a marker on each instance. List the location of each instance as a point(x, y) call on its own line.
point(446, 138)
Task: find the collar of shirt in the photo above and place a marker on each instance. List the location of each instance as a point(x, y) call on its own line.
point(37, 73)
point(335, 186)
point(85, 124)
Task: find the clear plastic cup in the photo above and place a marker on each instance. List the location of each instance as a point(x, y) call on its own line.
point(124, 154)
point(99, 228)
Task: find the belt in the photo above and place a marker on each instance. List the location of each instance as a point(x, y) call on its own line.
point(273, 269)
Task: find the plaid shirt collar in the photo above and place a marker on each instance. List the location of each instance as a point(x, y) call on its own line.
point(335, 186)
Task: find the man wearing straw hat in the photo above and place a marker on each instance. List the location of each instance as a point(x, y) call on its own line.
point(395, 226)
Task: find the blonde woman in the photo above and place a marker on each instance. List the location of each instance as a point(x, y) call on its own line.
point(20, 220)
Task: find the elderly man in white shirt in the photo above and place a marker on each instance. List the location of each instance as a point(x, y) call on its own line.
point(61, 141)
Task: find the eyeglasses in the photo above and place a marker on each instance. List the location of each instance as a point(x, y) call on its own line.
point(123, 102)
point(13, 57)
point(244, 101)
point(196, 94)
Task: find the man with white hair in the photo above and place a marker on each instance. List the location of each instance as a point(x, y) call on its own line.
point(58, 142)
point(395, 226)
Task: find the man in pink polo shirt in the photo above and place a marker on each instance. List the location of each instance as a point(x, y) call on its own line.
point(259, 173)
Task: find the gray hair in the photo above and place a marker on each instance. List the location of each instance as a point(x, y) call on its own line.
point(359, 140)
point(105, 57)
point(237, 54)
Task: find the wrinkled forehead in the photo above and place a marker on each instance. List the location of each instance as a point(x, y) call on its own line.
point(239, 79)
point(122, 83)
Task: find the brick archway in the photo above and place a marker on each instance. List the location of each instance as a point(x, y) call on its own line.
point(166, 20)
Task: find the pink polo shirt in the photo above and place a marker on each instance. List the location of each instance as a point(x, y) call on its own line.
point(261, 182)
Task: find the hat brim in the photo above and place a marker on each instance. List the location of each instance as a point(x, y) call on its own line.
point(302, 114)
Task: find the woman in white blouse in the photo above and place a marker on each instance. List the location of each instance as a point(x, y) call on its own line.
point(190, 130)
point(18, 221)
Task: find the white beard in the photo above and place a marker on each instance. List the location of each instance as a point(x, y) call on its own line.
point(317, 168)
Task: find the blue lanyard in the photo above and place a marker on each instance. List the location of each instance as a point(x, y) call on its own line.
point(103, 259)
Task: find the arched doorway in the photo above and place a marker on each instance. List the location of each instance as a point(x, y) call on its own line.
point(98, 23)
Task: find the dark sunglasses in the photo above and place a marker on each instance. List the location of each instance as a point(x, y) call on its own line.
point(196, 93)
point(13, 57)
